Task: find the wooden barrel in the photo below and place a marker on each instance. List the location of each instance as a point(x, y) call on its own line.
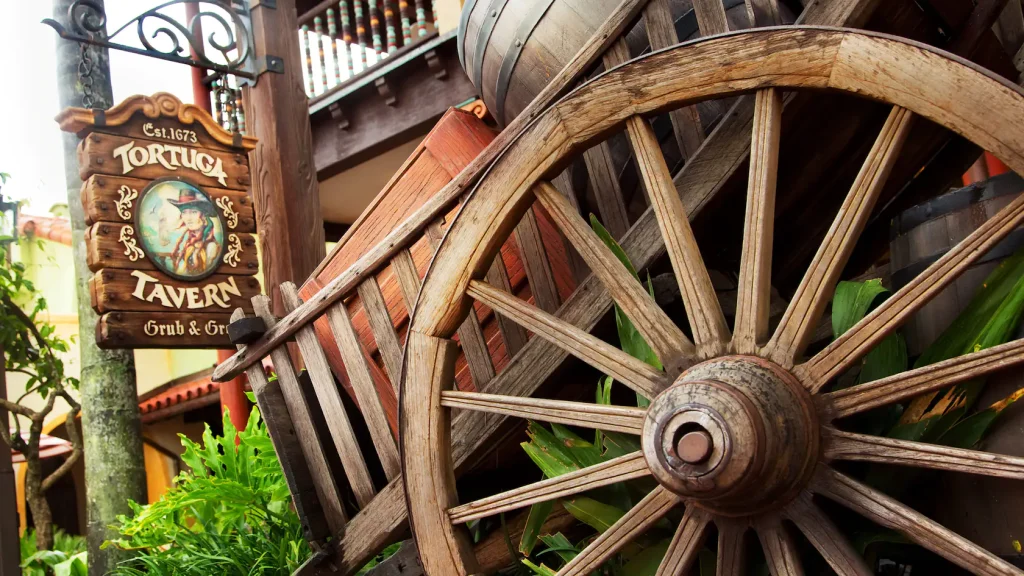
point(511, 49)
point(987, 511)
point(923, 234)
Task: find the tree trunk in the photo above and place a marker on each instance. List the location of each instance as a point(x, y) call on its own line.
point(111, 427)
point(9, 550)
point(42, 517)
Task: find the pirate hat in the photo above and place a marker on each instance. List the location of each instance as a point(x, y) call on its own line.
point(187, 198)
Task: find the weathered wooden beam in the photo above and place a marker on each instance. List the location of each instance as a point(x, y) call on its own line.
point(286, 194)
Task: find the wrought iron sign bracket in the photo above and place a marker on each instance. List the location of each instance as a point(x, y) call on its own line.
point(227, 48)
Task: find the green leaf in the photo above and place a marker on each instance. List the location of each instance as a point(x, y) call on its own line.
point(851, 303)
point(74, 566)
point(560, 545)
point(612, 245)
point(534, 522)
point(971, 430)
point(541, 570)
point(583, 452)
point(597, 515)
point(646, 563)
point(550, 455)
point(618, 444)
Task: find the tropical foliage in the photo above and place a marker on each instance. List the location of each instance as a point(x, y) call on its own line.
point(67, 556)
point(230, 515)
point(31, 347)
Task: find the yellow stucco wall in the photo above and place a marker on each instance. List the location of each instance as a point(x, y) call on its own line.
point(50, 267)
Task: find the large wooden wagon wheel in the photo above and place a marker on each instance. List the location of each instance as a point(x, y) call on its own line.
point(740, 433)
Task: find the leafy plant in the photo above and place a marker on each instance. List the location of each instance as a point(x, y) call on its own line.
point(231, 514)
point(67, 556)
point(31, 347)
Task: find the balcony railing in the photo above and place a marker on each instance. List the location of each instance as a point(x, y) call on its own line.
point(342, 39)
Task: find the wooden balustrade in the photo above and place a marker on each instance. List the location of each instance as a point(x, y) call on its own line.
point(342, 38)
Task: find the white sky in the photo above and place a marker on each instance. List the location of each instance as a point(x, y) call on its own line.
point(30, 147)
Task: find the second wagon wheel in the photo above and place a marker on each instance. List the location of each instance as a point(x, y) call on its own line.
point(745, 429)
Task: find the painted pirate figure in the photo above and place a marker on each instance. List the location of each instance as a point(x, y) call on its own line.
point(197, 248)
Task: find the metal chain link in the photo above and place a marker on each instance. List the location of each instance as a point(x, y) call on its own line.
point(85, 68)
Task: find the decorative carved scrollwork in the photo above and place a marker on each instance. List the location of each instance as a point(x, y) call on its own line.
point(234, 253)
point(230, 216)
point(124, 204)
point(131, 245)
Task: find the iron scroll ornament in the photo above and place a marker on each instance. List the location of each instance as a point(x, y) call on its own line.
point(181, 43)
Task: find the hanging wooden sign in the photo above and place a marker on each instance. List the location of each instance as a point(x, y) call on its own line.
point(171, 222)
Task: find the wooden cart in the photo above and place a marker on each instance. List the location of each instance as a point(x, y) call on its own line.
point(541, 143)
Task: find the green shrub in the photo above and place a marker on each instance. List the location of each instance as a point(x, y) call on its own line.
point(230, 515)
point(67, 557)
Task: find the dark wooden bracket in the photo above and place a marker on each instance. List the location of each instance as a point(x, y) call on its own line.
point(246, 330)
point(384, 89)
point(338, 115)
point(436, 65)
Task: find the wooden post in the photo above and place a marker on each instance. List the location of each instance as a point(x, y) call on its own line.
point(9, 549)
point(284, 185)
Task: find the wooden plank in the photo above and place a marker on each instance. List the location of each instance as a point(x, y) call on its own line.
point(661, 31)
point(316, 498)
point(512, 334)
point(108, 199)
point(330, 403)
point(364, 388)
point(102, 153)
point(105, 249)
point(383, 329)
point(408, 278)
point(563, 183)
point(711, 17)
point(535, 260)
point(313, 446)
point(137, 291)
point(162, 330)
point(764, 13)
point(605, 182)
point(471, 335)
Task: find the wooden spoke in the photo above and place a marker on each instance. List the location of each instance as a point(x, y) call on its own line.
point(668, 341)
point(887, 512)
point(848, 446)
point(856, 342)
point(620, 469)
point(755, 291)
point(779, 549)
point(611, 418)
point(635, 522)
point(710, 332)
point(827, 538)
point(636, 374)
point(912, 383)
point(686, 543)
point(817, 286)
point(731, 556)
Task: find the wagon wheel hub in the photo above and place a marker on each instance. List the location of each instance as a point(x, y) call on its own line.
point(737, 434)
